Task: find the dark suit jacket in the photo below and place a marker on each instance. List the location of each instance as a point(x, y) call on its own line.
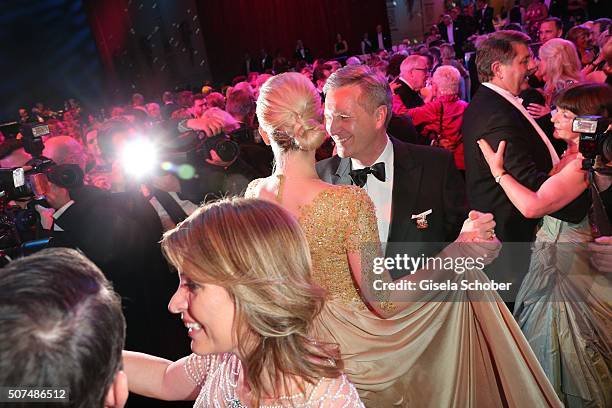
point(409, 97)
point(491, 117)
point(424, 178)
point(265, 62)
point(307, 55)
point(459, 36)
point(386, 41)
point(167, 109)
point(485, 24)
point(402, 128)
point(120, 234)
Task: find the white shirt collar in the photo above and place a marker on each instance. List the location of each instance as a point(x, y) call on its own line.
point(518, 104)
point(386, 157)
point(62, 209)
point(404, 81)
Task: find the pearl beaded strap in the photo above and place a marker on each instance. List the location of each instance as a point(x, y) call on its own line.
point(218, 375)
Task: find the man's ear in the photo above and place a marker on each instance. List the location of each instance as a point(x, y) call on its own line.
point(264, 136)
point(496, 69)
point(380, 115)
point(118, 392)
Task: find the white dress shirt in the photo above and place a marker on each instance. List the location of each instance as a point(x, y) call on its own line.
point(381, 192)
point(381, 44)
point(517, 102)
point(450, 33)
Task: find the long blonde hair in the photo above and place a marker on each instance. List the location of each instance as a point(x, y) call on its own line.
point(289, 111)
point(562, 65)
point(257, 251)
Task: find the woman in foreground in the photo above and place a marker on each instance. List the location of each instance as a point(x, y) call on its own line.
point(246, 298)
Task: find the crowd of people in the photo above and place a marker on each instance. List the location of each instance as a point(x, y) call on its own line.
point(460, 147)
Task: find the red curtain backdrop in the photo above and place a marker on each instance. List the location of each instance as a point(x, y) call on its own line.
point(231, 28)
point(234, 27)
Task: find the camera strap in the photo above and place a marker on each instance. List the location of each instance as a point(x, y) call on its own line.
point(174, 210)
point(600, 224)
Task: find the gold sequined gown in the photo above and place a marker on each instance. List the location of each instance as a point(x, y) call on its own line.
point(446, 353)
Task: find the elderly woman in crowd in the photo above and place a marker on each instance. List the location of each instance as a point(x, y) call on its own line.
point(443, 116)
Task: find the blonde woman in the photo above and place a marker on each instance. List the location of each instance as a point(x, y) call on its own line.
point(559, 67)
point(246, 298)
point(437, 352)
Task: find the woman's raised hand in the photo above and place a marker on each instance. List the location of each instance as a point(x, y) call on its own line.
point(495, 160)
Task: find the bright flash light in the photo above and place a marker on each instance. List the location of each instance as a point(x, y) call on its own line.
point(139, 157)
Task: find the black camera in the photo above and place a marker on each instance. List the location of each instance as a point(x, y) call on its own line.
point(223, 145)
point(594, 139)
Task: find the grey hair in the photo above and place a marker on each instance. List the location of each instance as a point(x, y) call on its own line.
point(65, 150)
point(375, 90)
point(447, 79)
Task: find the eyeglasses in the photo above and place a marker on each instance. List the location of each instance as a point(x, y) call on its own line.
point(426, 70)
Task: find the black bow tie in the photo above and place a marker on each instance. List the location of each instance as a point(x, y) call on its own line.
point(360, 176)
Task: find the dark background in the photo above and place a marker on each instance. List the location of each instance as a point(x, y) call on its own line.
point(47, 54)
point(100, 52)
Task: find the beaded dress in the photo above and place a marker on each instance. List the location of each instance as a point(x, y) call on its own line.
point(447, 352)
point(218, 376)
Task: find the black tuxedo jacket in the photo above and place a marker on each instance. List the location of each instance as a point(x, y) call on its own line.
point(307, 55)
point(424, 178)
point(491, 117)
point(410, 98)
point(459, 36)
point(120, 233)
point(265, 62)
point(485, 23)
point(386, 41)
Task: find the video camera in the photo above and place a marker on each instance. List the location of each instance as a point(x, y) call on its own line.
point(19, 227)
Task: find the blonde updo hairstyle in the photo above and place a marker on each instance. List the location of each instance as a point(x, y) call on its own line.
point(257, 251)
point(289, 111)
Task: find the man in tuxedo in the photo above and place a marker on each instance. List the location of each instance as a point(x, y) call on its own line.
point(382, 40)
point(414, 72)
point(484, 17)
point(417, 192)
point(504, 63)
point(452, 33)
point(265, 61)
point(302, 53)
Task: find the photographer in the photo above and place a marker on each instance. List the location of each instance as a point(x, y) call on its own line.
point(119, 232)
point(219, 171)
